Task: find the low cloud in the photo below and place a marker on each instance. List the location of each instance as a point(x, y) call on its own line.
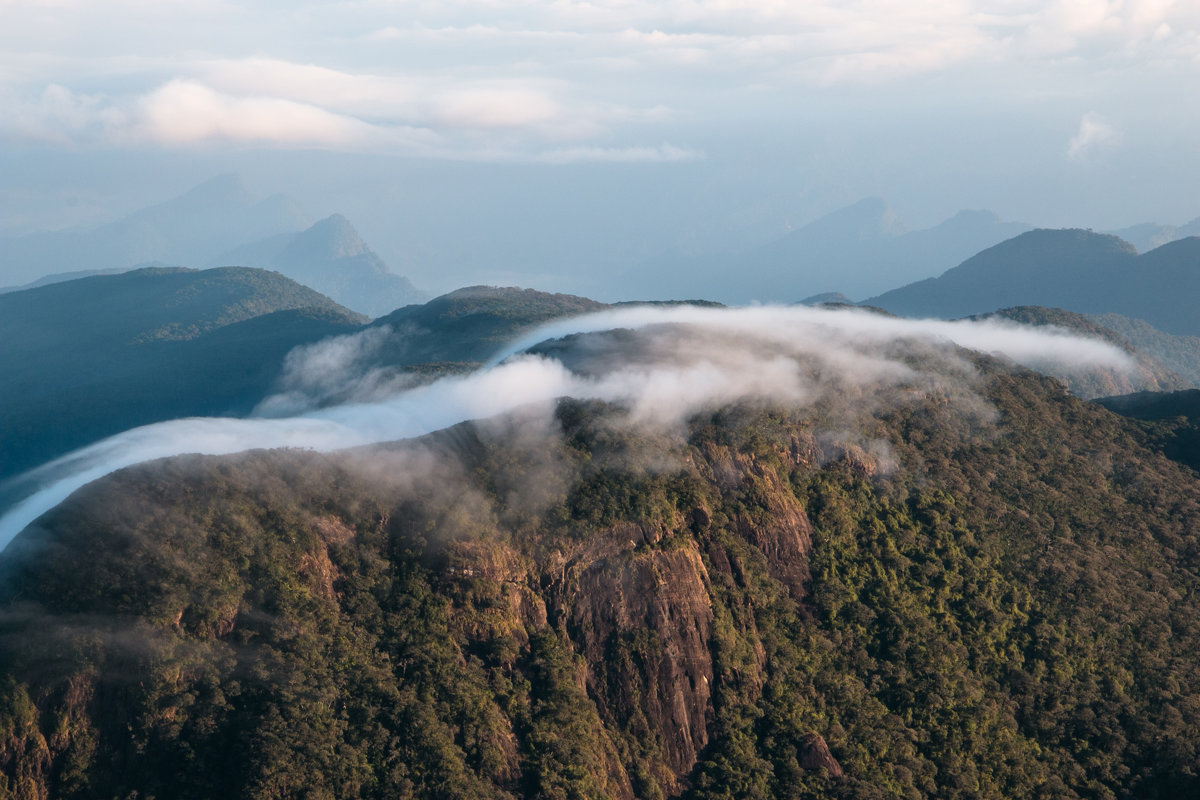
point(661, 364)
point(1094, 136)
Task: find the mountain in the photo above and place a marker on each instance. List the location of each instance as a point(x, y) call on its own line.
point(935, 604)
point(1148, 374)
point(1171, 421)
point(1180, 354)
point(90, 357)
point(469, 325)
point(1149, 235)
point(834, 298)
point(1076, 270)
point(331, 258)
point(190, 229)
point(60, 277)
point(859, 250)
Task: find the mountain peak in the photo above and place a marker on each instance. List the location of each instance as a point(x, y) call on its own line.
point(332, 237)
point(868, 218)
point(970, 218)
point(225, 189)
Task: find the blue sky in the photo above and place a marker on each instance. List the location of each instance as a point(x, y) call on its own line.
point(734, 120)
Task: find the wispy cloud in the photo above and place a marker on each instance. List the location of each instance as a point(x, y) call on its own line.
point(1094, 136)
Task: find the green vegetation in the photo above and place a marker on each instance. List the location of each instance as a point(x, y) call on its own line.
point(1148, 373)
point(1180, 354)
point(1012, 611)
point(471, 324)
point(92, 357)
point(88, 358)
point(1170, 421)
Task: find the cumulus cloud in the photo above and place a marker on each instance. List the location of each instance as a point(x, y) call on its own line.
point(546, 71)
point(186, 112)
point(661, 364)
point(276, 102)
point(1094, 136)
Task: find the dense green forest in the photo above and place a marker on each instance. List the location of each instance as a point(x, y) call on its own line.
point(997, 600)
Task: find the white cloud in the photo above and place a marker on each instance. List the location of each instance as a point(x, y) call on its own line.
point(186, 112)
point(60, 116)
point(1094, 136)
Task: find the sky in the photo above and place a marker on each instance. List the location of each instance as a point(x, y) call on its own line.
point(530, 135)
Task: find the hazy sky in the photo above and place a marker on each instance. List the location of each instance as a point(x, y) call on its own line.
point(520, 130)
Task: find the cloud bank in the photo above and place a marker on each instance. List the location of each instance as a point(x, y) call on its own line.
point(389, 77)
point(661, 364)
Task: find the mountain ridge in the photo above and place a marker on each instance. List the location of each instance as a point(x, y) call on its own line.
point(332, 258)
point(91, 357)
point(1075, 269)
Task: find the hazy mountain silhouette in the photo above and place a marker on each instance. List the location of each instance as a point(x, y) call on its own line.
point(332, 258)
point(61, 277)
point(91, 357)
point(857, 251)
point(1149, 235)
point(190, 229)
point(1073, 269)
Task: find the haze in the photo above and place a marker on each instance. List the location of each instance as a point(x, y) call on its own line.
point(505, 142)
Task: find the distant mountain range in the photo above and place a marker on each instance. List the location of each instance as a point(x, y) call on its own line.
point(859, 250)
point(1149, 235)
point(218, 223)
point(331, 258)
point(190, 230)
point(1078, 270)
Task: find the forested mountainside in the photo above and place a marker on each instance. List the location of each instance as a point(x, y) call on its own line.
point(88, 358)
point(1180, 354)
point(1148, 373)
point(981, 595)
point(1170, 421)
point(469, 325)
